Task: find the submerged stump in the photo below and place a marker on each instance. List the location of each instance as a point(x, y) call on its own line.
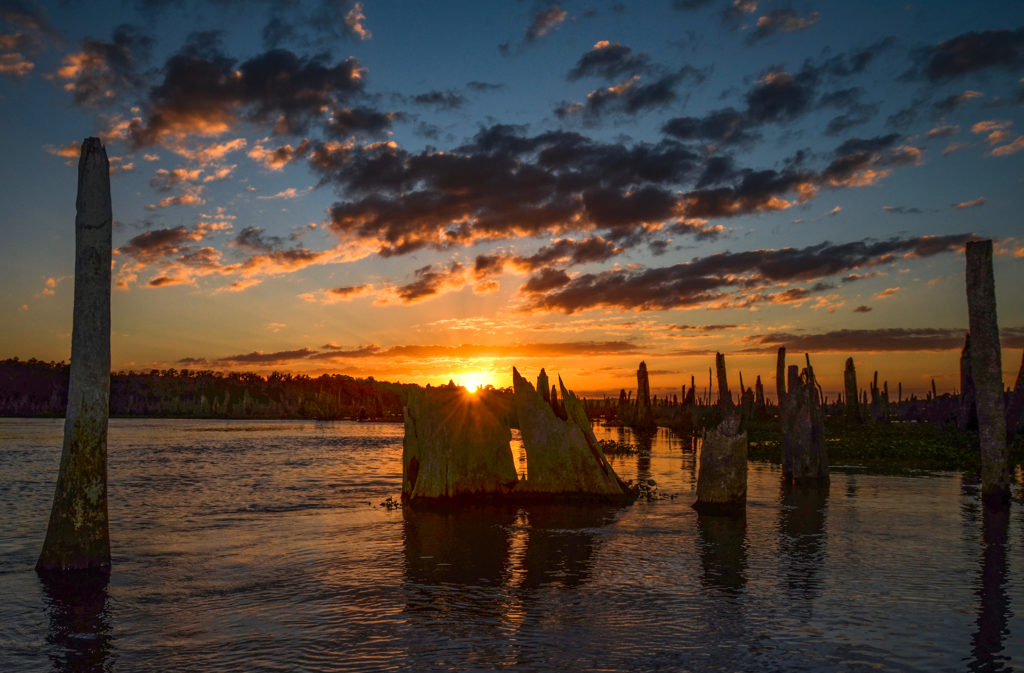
point(77, 536)
point(456, 445)
point(563, 456)
point(852, 407)
point(804, 458)
point(722, 468)
point(986, 369)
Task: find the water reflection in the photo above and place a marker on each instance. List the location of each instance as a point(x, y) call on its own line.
point(467, 546)
point(79, 630)
point(479, 572)
point(561, 542)
point(473, 546)
point(723, 552)
point(994, 609)
point(802, 539)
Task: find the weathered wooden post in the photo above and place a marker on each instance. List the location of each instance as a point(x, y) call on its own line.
point(724, 396)
point(967, 412)
point(804, 458)
point(543, 387)
point(1015, 407)
point(986, 369)
point(850, 386)
point(722, 469)
point(644, 413)
point(780, 376)
point(77, 536)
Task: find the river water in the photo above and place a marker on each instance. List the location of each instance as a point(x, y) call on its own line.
point(263, 546)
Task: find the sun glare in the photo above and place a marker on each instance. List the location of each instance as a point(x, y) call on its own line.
point(471, 381)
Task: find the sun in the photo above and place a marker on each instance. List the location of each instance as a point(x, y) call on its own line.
point(471, 381)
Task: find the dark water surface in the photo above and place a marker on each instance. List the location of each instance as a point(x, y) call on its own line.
point(262, 546)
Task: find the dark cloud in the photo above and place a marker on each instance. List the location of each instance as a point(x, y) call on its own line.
point(593, 249)
point(903, 210)
point(279, 157)
point(327, 22)
point(862, 309)
point(859, 146)
point(946, 131)
point(203, 91)
point(27, 17)
point(348, 290)
point(477, 85)
point(955, 101)
point(545, 21)
point(505, 184)
point(546, 280)
point(255, 239)
point(524, 350)
point(690, 5)
point(630, 97)
point(703, 328)
point(430, 281)
point(442, 100)
point(102, 71)
point(721, 127)
point(502, 184)
point(346, 122)
point(781, 21)
point(732, 279)
point(166, 180)
point(971, 52)
point(261, 358)
point(780, 96)
point(861, 340)
point(563, 252)
point(152, 245)
point(854, 61)
point(610, 61)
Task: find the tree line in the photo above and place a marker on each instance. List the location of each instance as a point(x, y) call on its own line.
point(33, 388)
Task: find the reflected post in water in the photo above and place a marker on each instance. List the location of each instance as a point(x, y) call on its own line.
point(802, 538)
point(79, 631)
point(723, 552)
point(994, 603)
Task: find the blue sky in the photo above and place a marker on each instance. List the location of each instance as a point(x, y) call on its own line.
point(424, 191)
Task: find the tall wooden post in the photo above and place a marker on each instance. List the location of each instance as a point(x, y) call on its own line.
point(724, 396)
point(77, 536)
point(987, 371)
point(780, 375)
point(850, 386)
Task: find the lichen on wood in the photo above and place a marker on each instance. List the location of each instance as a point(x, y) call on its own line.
point(986, 370)
point(456, 445)
point(77, 536)
point(564, 456)
point(722, 467)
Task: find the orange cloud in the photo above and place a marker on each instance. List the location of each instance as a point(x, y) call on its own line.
point(1012, 148)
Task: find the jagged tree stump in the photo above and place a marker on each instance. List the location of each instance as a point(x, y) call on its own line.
point(804, 458)
point(722, 469)
point(564, 457)
point(456, 445)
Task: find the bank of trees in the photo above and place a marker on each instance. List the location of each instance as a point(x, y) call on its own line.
point(37, 388)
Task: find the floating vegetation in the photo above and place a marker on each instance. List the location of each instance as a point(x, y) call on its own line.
point(610, 447)
point(647, 489)
point(391, 503)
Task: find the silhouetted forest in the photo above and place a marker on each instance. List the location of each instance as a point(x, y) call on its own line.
point(36, 388)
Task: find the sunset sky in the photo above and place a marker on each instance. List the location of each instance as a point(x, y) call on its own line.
point(420, 191)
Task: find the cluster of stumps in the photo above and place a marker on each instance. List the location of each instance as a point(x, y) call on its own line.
point(457, 445)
